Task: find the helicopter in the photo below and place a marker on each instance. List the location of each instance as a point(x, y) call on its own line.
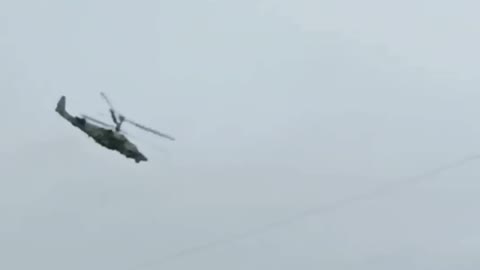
point(108, 135)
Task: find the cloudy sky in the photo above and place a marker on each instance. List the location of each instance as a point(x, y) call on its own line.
point(278, 107)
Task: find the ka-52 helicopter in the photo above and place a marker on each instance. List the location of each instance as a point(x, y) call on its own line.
point(108, 136)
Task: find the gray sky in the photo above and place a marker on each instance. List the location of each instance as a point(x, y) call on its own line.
point(278, 107)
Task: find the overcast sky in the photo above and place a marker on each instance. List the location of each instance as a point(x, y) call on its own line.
point(278, 107)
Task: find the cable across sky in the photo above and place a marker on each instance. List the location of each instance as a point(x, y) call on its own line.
point(381, 190)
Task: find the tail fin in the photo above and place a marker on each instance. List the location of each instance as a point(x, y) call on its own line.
point(61, 105)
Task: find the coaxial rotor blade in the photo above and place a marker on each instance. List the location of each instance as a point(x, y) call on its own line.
point(104, 96)
point(150, 130)
point(97, 121)
point(101, 123)
point(112, 109)
point(113, 113)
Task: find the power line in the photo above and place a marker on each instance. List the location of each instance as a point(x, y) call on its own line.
point(324, 209)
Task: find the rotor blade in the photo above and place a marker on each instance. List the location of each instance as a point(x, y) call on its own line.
point(102, 123)
point(97, 121)
point(112, 109)
point(107, 100)
point(104, 96)
point(114, 118)
point(150, 130)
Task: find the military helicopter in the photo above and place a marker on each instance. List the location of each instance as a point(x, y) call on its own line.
point(107, 135)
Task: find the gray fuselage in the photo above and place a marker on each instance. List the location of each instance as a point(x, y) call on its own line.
point(108, 138)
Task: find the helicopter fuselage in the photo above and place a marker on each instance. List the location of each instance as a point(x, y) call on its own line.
point(108, 138)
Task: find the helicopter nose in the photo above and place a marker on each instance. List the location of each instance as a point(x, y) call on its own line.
point(141, 157)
